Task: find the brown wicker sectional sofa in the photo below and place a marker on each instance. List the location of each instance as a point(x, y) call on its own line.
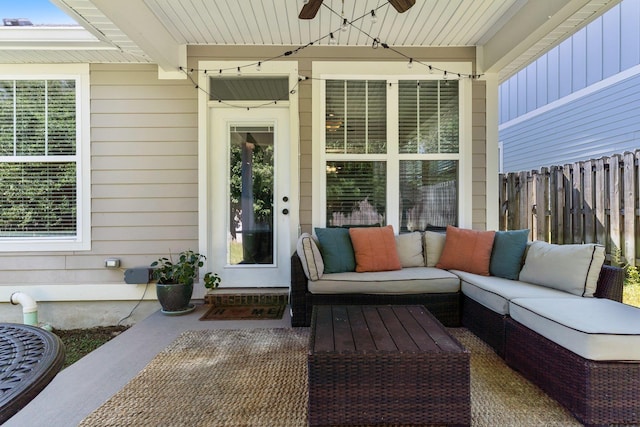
point(590, 364)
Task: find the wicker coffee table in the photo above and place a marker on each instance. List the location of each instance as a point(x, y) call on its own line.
point(385, 365)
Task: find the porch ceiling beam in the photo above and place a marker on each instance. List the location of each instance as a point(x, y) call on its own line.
point(530, 25)
point(141, 25)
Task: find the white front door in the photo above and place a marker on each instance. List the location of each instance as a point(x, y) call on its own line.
point(250, 184)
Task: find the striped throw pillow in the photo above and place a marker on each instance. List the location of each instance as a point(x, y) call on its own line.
point(309, 254)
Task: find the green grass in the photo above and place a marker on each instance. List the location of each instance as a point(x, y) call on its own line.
point(631, 294)
point(631, 291)
point(79, 342)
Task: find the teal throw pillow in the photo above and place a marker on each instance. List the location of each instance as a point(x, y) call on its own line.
point(507, 254)
point(336, 250)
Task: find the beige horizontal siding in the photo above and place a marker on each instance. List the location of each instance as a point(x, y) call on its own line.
point(144, 164)
point(144, 179)
point(117, 120)
point(305, 58)
point(156, 176)
point(479, 158)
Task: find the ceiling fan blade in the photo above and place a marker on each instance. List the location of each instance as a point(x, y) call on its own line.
point(310, 9)
point(402, 5)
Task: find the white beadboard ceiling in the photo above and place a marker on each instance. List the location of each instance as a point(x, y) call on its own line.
point(510, 32)
point(275, 22)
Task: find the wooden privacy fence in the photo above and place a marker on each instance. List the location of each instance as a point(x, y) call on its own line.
point(594, 201)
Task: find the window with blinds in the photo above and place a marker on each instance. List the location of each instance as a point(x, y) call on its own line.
point(428, 194)
point(356, 193)
point(356, 117)
point(428, 116)
point(358, 154)
point(38, 162)
point(428, 124)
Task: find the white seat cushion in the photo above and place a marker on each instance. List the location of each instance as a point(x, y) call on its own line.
point(413, 280)
point(496, 292)
point(593, 328)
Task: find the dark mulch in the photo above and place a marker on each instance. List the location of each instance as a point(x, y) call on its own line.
point(79, 342)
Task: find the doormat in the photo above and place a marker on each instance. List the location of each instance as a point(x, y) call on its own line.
point(244, 312)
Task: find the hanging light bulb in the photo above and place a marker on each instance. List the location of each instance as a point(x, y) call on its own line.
point(444, 76)
point(332, 39)
point(239, 73)
point(345, 25)
point(430, 69)
point(410, 63)
point(374, 18)
point(259, 66)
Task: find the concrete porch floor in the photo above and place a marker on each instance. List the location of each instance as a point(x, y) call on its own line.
point(82, 387)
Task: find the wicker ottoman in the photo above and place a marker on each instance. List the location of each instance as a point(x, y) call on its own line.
point(376, 365)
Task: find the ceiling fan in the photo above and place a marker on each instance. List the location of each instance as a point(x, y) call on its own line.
point(310, 8)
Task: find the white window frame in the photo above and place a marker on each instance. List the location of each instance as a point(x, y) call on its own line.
point(79, 73)
point(392, 72)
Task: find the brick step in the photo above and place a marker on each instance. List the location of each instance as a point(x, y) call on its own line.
point(247, 296)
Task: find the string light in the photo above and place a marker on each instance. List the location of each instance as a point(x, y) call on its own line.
point(345, 25)
point(239, 73)
point(332, 39)
point(410, 63)
point(374, 18)
point(259, 66)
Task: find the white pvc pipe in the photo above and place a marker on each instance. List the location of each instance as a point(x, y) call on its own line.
point(29, 307)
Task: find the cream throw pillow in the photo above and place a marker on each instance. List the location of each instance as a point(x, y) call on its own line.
point(409, 246)
point(309, 254)
point(570, 268)
point(433, 246)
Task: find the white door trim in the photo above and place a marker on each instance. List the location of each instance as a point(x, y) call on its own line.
point(271, 68)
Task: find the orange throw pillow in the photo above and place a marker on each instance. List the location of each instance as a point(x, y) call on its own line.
point(375, 249)
point(467, 250)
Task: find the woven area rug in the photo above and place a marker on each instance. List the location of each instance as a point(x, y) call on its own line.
point(258, 377)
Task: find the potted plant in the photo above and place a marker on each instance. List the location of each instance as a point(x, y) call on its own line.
point(174, 285)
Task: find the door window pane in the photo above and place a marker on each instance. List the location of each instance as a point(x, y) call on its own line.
point(356, 193)
point(251, 204)
point(428, 194)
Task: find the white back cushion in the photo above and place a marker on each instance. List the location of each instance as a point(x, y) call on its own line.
point(570, 268)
